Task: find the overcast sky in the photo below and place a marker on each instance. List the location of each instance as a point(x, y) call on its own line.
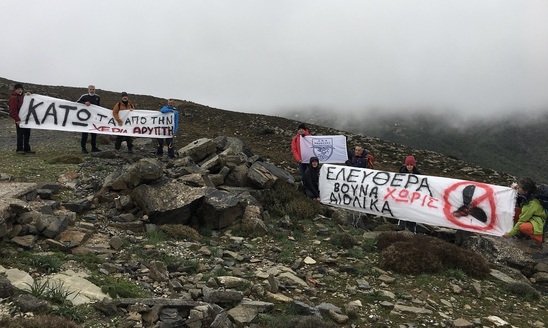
point(472, 56)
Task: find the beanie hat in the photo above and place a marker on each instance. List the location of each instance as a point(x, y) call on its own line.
point(124, 94)
point(302, 126)
point(410, 160)
point(18, 86)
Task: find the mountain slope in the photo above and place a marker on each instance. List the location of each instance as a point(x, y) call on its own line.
point(514, 144)
point(268, 136)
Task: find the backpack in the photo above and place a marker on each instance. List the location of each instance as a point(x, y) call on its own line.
point(370, 161)
point(542, 196)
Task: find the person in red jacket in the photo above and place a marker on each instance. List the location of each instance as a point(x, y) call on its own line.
point(23, 134)
point(302, 131)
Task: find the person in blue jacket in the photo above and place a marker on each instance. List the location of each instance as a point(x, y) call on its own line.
point(168, 141)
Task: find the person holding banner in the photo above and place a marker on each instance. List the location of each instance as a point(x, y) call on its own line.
point(358, 158)
point(124, 104)
point(23, 134)
point(88, 99)
point(169, 141)
point(409, 167)
point(302, 131)
point(312, 179)
point(533, 216)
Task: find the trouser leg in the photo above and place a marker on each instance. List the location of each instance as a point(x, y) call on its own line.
point(527, 229)
point(19, 137)
point(118, 142)
point(26, 139)
point(302, 169)
point(159, 146)
point(170, 148)
point(93, 140)
point(129, 141)
point(84, 140)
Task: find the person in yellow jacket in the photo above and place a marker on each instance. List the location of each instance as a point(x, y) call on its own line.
point(124, 104)
point(533, 216)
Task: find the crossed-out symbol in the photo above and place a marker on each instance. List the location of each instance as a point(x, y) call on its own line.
point(486, 200)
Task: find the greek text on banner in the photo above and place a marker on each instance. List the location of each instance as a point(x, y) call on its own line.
point(452, 203)
point(47, 113)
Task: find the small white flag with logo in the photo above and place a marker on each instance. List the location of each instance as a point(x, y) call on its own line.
point(328, 149)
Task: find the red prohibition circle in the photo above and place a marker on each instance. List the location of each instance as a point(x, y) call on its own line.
point(488, 197)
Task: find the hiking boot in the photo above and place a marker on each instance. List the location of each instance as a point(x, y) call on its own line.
point(84, 151)
point(95, 150)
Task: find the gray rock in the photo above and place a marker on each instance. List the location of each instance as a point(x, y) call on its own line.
point(6, 288)
point(29, 303)
point(79, 206)
point(221, 295)
point(168, 203)
point(198, 149)
point(220, 209)
point(302, 308)
point(260, 176)
point(158, 271)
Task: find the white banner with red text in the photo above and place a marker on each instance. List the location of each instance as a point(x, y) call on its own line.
point(328, 149)
point(457, 204)
point(47, 113)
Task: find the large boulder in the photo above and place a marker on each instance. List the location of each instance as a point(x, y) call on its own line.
point(221, 209)
point(198, 150)
point(145, 170)
point(169, 203)
point(232, 146)
point(260, 176)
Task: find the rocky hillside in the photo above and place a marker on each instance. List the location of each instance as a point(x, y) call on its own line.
point(222, 237)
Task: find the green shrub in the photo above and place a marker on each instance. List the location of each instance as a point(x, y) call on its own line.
point(416, 254)
point(38, 321)
point(284, 199)
point(293, 321)
point(524, 290)
point(180, 232)
point(72, 313)
point(118, 287)
point(55, 292)
point(155, 236)
point(66, 159)
point(343, 240)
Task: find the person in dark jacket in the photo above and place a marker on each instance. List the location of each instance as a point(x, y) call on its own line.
point(312, 179)
point(90, 98)
point(409, 167)
point(358, 158)
point(23, 134)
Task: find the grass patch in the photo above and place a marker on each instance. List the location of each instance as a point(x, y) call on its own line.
point(118, 287)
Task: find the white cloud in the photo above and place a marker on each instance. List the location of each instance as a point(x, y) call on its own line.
point(259, 56)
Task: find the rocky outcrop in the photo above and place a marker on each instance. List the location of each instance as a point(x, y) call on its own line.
point(232, 280)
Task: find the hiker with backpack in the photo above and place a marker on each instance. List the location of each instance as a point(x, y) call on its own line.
point(533, 215)
point(358, 158)
point(124, 104)
point(409, 167)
